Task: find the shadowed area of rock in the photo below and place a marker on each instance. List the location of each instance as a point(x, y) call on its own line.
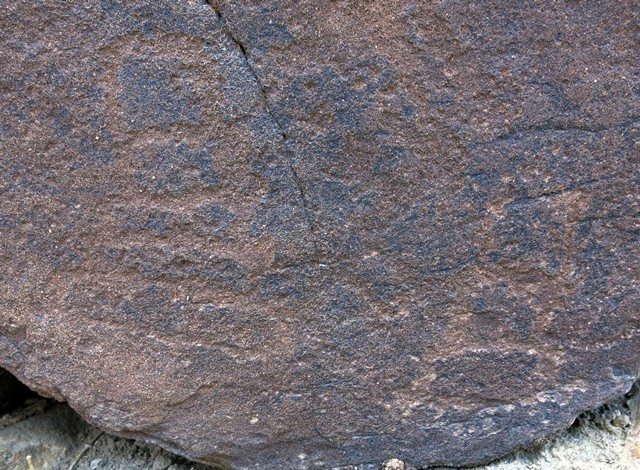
point(299, 234)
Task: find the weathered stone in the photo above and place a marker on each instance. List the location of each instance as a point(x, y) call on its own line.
point(294, 234)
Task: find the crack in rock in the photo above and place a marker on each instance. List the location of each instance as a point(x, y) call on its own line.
point(263, 93)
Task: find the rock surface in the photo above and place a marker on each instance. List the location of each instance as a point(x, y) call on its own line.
point(296, 234)
point(57, 439)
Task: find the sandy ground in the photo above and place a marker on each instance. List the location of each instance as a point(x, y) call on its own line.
point(56, 438)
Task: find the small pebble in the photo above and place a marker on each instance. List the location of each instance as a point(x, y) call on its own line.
point(161, 462)
point(621, 421)
point(394, 464)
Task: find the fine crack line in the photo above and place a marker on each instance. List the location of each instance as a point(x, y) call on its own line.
point(263, 93)
point(525, 131)
point(552, 193)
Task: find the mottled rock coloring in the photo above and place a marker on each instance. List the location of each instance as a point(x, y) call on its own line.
point(300, 234)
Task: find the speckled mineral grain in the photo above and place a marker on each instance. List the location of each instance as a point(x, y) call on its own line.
point(297, 234)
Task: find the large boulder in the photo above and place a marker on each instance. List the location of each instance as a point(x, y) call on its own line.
point(300, 233)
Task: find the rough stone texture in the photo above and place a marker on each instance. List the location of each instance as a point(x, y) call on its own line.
point(606, 438)
point(56, 438)
point(46, 437)
point(293, 234)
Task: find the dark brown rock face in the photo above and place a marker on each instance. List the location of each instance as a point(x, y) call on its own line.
point(295, 234)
